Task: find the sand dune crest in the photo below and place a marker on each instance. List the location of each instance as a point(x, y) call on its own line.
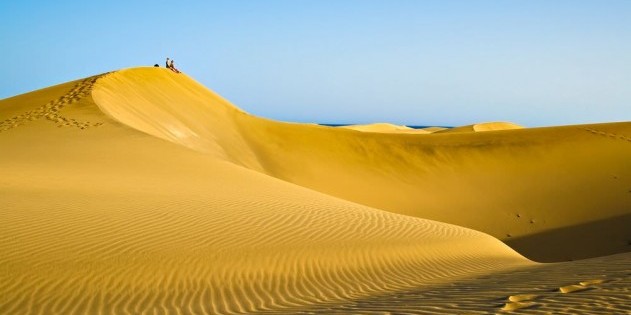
point(179, 202)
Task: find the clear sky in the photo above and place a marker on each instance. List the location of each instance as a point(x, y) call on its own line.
point(443, 62)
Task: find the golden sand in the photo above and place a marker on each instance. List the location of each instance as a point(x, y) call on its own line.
point(141, 191)
point(488, 126)
point(385, 127)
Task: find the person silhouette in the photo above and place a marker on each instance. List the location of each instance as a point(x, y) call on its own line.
point(173, 68)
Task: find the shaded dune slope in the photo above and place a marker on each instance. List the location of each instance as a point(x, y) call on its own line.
point(513, 184)
point(98, 217)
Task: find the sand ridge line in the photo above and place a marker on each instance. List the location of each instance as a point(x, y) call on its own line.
point(52, 110)
point(158, 228)
point(403, 174)
point(608, 134)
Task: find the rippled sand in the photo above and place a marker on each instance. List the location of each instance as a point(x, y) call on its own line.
point(141, 191)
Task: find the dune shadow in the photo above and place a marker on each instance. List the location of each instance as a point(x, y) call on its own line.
point(592, 239)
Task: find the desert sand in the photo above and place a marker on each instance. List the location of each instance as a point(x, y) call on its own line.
point(142, 191)
point(385, 127)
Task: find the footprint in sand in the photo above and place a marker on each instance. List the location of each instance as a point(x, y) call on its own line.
point(573, 288)
point(51, 110)
point(610, 135)
point(522, 297)
point(511, 306)
point(591, 282)
point(581, 286)
point(520, 301)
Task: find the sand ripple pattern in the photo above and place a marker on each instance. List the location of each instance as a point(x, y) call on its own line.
point(594, 286)
point(221, 248)
point(132, 224)
point(51, 111)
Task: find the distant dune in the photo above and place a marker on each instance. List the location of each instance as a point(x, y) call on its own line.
point(388, 128)
point(141, 191)
point(434, 129)
point(489, 126)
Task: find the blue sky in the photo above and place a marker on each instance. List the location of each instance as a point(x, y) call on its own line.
point(536, 63)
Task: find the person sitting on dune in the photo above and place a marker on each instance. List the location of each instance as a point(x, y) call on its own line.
point(173, 68)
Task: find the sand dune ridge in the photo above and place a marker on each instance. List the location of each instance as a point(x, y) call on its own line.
point(152, 194)
point(521, 177)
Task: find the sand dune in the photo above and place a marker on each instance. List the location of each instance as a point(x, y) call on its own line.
point(385, 127)
point(112, 220)
point(141, 191)
point(488, 126)
point(517, 185)
point(377, 127)
point(434, 129)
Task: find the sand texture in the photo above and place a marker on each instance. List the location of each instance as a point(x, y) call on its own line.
point(142, 192)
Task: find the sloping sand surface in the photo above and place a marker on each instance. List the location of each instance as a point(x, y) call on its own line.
point(513, 184)
point(141, 191)
point(97, 216)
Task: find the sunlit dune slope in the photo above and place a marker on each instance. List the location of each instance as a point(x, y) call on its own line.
point(384, 127)
point(544, 184)
point(99, 217)
point(544, 191)
point(178, 109)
